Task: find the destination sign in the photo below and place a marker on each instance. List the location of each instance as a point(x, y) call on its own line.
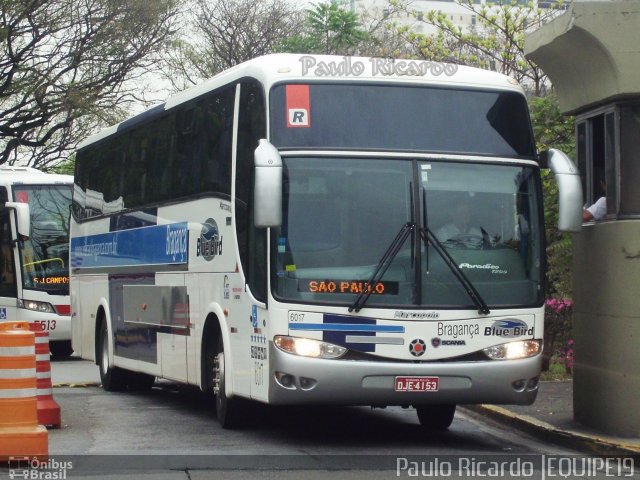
point(51, 280)
point(347, 286)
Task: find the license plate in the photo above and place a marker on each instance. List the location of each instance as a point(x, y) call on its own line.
point(417, 384)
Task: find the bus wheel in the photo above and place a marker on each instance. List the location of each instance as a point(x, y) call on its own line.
point(228, 410)
point(113, 379)
point(61, 349)
point(140, 382)
point(437, 418)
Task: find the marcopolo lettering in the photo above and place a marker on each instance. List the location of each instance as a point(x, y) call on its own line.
point(510, 328)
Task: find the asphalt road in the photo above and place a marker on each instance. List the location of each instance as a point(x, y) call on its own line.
point(172, 432)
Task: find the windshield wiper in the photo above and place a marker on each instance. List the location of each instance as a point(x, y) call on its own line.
point(427, 236)
point(383, 265)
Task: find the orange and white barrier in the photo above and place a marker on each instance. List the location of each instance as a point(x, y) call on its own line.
point(48, 409)
point(20, 434)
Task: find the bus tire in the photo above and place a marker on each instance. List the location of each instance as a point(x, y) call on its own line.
point(437, 418)
point(228, 410)
point(140, 382)
point(113, 379)
point(61, 348)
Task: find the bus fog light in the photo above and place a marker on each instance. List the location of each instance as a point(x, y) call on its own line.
point(519, 385)
point(514, 350)
point(285, 380)
point(305, 347)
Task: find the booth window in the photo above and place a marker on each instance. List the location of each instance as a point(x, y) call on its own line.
point(629, 159)
point(598, 155)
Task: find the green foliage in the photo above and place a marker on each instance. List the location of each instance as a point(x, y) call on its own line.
point(495, 42)
point(329, 29)
point(553, 130)
point(66, 167)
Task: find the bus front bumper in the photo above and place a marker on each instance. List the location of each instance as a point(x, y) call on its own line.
point(347, 382)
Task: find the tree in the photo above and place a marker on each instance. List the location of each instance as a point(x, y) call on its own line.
point(496, 41)
point(553, 130)
point(329, 29)
point(64, 69)
point(223, 33)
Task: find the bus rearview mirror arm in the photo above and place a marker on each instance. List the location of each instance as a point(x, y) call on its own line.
point(23, 219)
point(569, 189)
point(267, 192)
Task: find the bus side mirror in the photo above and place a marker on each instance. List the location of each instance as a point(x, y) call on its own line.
point(569, 189)
point(23, 218)
point(267, 192)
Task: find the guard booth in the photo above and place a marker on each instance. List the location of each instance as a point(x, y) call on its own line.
point(592, 55)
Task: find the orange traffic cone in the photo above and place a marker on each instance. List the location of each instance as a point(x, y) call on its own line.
point(20, 434)
point(48, 408)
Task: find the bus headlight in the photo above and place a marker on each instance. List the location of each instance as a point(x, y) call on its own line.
point(42, 307)
point(514, 350)
point(305, 347)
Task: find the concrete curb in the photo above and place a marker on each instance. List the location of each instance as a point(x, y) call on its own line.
point(591, 444)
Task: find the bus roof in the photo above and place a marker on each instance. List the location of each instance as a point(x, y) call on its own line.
point(11, 175)
point(288, 67)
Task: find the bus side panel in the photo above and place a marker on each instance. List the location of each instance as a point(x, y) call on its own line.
point(84, 308)
point(196, 324)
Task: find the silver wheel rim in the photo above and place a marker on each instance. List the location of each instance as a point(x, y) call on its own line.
point(105, 353)
point(218, 373)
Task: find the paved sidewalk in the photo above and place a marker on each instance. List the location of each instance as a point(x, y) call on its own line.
point(551, 418)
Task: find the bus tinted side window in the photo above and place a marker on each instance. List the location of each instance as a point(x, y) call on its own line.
point(181, 153)
point(251, 240)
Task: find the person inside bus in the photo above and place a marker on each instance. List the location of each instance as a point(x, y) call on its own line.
point(598, 210)
point(461, 225)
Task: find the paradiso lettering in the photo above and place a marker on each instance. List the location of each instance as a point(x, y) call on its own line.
point(347, 67)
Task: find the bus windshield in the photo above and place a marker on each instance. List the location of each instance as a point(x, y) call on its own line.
point(340, 215)
point(45, 255)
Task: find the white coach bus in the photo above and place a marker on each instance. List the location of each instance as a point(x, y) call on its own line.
point(319, 230)
point(34, 224)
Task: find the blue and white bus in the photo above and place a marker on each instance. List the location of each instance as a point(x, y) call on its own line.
point(288, 233)
point(34, 254)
